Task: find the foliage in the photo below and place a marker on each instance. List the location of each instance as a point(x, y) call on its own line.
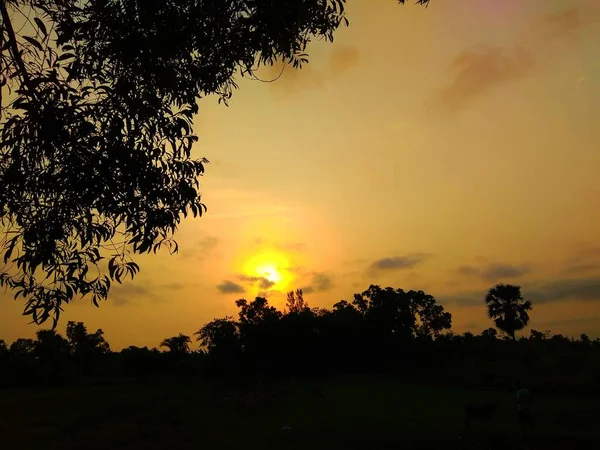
point(384, 330)
point(401, 314)
point(219, 335)
point(22, 347)
point(507, 308)
point(49, 345)
point(295, 302)
point(82, 342)
point(177, 345)
point(95, 149)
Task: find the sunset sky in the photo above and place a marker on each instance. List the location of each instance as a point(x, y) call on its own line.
point(445, 149)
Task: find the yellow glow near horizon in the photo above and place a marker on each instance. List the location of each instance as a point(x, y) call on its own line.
point(270, 273)
point(271, 265)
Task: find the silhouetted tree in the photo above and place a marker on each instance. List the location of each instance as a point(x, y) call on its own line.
point(141, 362)
point(220, 335)
point(295, 302)
point(585, 339)
point(257, 312)
point(22, 347)
point(431, 317)
point(401, 314)
point(177, 345)
point(85, 346)
point(539, 335)
point(259, 327)
point(95, 147)
point(490, 333)
point(507, 308)
point(50, 345)
point(53, 352)
point(388, 312)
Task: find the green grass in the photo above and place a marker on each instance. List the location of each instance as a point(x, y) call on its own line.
point(358, 413)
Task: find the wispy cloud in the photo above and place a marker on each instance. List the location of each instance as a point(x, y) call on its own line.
point(495, 271)
point(574, 269)
point(540, 292)
point(585, 289)
point(468, 271)
point(342, 59)
point(229, 287)
point(586, 260)
point(398, 262)
point(130, 293)
point(320, 282)
point(175, 286)
point(286, 81)
point(261, 282)
point(481, 69)
point(200, 248)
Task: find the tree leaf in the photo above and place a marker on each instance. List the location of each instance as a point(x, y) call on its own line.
point(41, 26)
point(34, 42)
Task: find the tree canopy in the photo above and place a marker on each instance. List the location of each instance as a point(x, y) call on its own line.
point(507, 308)
point(96, 137)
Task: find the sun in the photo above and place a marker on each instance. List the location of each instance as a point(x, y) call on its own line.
point(268, 265)
point(270, 273)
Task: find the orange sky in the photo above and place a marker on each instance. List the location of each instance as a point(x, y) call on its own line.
point(444, 149)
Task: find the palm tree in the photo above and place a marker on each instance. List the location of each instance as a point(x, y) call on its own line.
point(177, 344)
point(506, 307)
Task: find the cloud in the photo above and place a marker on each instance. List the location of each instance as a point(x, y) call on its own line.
point(560, 24)
point(229, 287)
point(468, 270)
point(498, 271)
point(263, 283)
point(586, 260)
point(296, 270)
point(494, 272)
point(584, 289)
point(573, 269)
point(287, 81)
point(201, 248)
point(563, 25)
point(542, 292)
point(127, 293)
point(467, 299)
point(479, 70)
point(398, 262)
point(320, 282)
point(342, 59)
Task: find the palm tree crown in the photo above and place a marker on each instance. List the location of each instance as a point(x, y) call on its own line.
point(506, 307)
point(177, 344)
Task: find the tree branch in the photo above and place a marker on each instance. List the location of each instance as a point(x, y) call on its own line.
point(14, 50)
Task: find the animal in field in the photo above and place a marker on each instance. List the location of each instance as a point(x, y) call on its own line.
point(479, 412)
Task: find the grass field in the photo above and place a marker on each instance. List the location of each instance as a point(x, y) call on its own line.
point(355, 413)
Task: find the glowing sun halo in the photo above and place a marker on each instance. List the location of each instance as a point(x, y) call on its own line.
point(270, 273)
point(268, 265)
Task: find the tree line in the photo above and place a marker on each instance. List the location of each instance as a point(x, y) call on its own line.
point(382, 330)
